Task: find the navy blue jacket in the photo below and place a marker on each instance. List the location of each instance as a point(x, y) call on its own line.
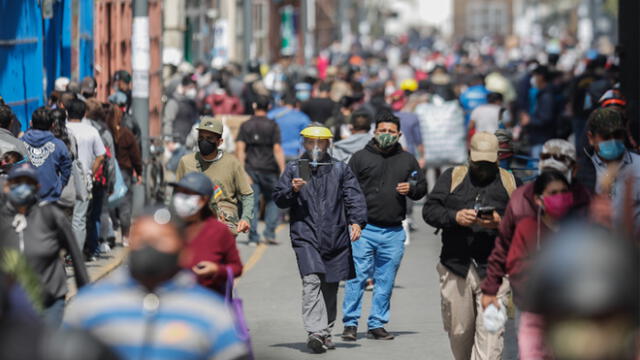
point(320, 217)
point(52, 160)
point(543, 120)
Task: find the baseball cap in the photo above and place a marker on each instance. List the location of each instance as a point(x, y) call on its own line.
point(122, 75)
point(23, 170)
point(196, 182)
point(484, 147)
point(211, 124)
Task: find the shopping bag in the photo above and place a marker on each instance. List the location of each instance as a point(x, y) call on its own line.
point(234, 303)
point(119, 189)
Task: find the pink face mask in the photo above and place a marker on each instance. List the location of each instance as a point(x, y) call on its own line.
point(558, 205)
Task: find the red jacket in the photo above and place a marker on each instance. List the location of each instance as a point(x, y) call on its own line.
point(215, 243)
point(524, 246)
point(520, 206)
point(223, 104)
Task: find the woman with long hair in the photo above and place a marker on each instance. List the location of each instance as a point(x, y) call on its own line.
point(130, 162)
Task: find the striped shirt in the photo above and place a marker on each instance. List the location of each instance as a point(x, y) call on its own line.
point(180, 320)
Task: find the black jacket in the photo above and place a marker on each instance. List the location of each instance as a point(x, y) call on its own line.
point(463, 245)
point(47, 232)
point(320, 217)
point(379, 173)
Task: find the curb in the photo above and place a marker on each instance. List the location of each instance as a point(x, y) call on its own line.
point(102, 272)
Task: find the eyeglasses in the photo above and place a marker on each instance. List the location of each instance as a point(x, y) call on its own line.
point(559, 157)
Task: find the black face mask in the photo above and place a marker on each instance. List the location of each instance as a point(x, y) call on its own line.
point(483, 172)
point(207, 147)
point(149, 264)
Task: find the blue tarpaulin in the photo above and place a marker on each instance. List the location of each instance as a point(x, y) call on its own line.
point(21, 59)
point(36, 51)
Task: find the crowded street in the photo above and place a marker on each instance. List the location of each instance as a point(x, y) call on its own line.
point(301, 179)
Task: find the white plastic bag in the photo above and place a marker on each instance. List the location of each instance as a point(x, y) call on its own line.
point(493, 318)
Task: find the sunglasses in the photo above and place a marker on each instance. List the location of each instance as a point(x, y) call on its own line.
point(559, 157)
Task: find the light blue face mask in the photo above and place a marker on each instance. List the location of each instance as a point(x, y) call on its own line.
point(611, 149)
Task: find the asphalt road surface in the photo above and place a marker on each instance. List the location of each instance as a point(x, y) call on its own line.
point(271, 289)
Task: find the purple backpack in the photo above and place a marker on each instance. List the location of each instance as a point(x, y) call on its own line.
point(234, 303)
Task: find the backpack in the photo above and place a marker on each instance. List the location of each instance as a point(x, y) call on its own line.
point(460, 172)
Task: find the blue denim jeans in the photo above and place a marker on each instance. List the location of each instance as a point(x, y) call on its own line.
point(380, 249)
point(264, 184)
point(52, 316)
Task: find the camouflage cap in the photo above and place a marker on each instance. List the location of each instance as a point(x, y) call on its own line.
point(211, 124)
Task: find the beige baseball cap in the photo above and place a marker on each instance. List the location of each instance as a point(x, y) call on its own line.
point(211, 124)
point(484, 147)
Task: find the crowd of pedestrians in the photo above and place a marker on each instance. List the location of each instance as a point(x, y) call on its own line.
point(501, 156)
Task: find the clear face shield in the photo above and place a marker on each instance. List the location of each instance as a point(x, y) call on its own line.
point(318, 151)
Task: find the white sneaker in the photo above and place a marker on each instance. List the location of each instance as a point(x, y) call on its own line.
point(407, 232)
point(104, 248)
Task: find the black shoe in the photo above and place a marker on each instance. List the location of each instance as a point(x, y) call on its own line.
point(328, 343)
point(350, 333)
point(315, 342)
point(379, 334)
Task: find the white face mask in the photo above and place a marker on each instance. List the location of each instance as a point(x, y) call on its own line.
point(191, 93)
point(186, 205)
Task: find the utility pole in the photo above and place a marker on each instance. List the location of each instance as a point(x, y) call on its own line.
point(308, 28)
point(247, 35)
point(141, 62)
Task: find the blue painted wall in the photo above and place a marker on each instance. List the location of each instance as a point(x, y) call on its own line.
point(35, 51)
point(21, 57)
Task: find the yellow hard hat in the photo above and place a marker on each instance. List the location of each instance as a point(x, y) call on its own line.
point(409, 85)
point(317, 132)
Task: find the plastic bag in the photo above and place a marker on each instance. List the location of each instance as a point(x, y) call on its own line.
point(119, 189)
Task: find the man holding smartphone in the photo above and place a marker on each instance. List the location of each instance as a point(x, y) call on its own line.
point(328, 212)
point(387, 175)
point(467, 203)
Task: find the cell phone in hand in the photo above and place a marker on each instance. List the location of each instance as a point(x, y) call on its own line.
point(200, 266)
point(304, 169)
point(486, 212)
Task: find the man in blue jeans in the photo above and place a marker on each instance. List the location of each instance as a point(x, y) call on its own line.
point(387, 175)
point(259, 149)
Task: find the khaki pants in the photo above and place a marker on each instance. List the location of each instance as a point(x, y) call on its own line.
point(462, 316)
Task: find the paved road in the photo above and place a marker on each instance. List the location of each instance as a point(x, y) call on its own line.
point(271, 290)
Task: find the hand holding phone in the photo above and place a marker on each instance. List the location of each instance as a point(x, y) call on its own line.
point(486, 212)
point(304, 169)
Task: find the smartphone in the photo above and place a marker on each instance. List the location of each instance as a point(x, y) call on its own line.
point(200, 266)
point(304, 170)
point(486, 212)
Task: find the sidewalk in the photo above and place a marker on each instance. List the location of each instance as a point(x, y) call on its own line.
point(99, 268)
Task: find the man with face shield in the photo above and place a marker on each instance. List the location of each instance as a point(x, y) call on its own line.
point(557, 154)
point(226, 174)
point(40, 230)
point(328, 212)
point(150, 308)
point(467, 204)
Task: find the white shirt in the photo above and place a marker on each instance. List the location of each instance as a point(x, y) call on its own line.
point(487, 117)
point(89, 142)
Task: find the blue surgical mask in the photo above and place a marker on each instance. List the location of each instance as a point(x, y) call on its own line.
point(22, 195)
point(611, 149)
